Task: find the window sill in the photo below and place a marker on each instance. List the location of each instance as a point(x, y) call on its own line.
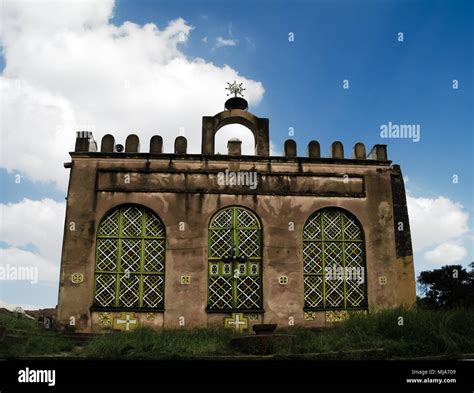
point(336, 309)
point(234, 311)
point(129, 309)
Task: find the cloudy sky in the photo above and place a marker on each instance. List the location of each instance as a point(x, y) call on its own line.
point(156, 67)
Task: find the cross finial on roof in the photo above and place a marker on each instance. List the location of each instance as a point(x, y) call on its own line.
point(235, 88)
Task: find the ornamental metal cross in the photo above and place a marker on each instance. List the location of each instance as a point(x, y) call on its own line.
point(235, 88)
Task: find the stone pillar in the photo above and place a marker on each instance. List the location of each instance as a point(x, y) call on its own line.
point(290, 148)
point(180, 145)
point(156, 144)
point(132, 144)
point(262, 137)
point(359, 151)
point(207, 145)
point(108, 144)
point(378, 152)
point(85, 142)
point(314, 149)
point(234, 147)
point(337, 150)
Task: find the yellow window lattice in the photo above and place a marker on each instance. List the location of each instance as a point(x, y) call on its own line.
point(334, 261)
point(130, 260)
point(235, 254)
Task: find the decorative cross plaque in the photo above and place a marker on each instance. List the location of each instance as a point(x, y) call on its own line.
point(77, 278)
point(126, 321)
point(237, 322)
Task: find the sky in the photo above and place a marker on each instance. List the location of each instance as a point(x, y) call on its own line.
point(329, 70)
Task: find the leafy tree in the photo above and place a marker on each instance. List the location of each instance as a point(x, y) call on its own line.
point(448, 287)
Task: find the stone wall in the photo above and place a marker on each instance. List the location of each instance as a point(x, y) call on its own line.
point(184, 188)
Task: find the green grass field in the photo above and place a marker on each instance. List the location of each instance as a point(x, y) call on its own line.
point(29, 339)
point(376, 336)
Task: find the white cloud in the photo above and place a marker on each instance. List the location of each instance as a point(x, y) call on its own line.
point(33, 232)
point(53, 16)
point(440, 232)
point(69, 68)
point(446, 253)
point(39, 269)
point(434, 221)
point(35, 125)
point(34, 223)
point(225, 42)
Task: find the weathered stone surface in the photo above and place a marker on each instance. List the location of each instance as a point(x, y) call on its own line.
point(337, 150)
point(400, 211)
point(182, 188)
point(359, 151)
point(108, 144)
point(132, 144)
point(268, 183)
point(180, 145)
point(258, 126)
point(314, 149)
point(378, 152)
point(186, 190)
point(156, 144)
point(290, 148)
point(234, 147)
point(85, 142)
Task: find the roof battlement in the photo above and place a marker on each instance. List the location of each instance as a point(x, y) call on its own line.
point(85, 143)
point(235, 113)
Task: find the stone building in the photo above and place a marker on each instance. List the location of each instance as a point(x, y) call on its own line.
point(178, 240)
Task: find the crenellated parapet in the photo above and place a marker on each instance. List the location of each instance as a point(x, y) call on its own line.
point(235, 113)
point(85, 143)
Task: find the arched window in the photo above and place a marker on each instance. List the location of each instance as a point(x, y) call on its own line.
point(235, 261)
point(334, 261)
point(130, 260)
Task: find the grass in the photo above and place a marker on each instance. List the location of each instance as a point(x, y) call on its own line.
point(375, 336)
point(146, 343)
point(423, 333)
point(29, 339)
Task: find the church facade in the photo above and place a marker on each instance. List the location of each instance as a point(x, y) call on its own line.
point(178, 240)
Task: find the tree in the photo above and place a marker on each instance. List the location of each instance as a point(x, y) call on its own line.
point(448, 287)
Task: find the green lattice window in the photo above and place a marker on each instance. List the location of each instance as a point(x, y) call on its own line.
point(235, 261)
point(130, 260)
point(334, 261)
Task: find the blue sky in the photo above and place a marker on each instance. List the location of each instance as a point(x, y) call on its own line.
point(407, 82)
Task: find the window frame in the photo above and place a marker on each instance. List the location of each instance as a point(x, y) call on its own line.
point(343, 241)
point(141, 273)
point(258, 260)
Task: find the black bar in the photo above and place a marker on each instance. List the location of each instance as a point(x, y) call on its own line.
point(251, 372)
